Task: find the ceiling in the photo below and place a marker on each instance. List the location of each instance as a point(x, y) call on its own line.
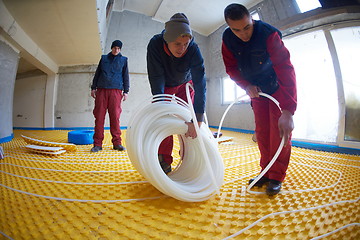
point(68, 30)
point(205, 16)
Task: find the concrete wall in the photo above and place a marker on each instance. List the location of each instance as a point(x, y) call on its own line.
point(69, 91)
point(11, 34)
point(102, 21)
point(135, 31)
point(74, 103)
point(273, 11)
point(135, 43)
point(9, 59)
point(29, 101)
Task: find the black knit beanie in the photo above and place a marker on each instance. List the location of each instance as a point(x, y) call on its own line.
point(116, 43)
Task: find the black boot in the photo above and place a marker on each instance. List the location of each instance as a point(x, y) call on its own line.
point(119, 147)
point(263, 180)
point(273, 188)
point(96, 149)
point(164, 165)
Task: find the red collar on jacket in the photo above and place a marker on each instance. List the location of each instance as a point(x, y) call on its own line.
point(166, 49)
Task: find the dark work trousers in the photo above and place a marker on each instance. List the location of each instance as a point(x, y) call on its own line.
point(107, 100)
point(166, 145)
point(267, 115)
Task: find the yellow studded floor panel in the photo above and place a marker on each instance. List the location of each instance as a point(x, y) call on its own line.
point(83, 195)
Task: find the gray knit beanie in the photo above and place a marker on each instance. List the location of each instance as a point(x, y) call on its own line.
point(176, 26)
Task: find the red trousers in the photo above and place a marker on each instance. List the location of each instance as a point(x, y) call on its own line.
point(267, 115)
point(167, 144)
point(107, 100)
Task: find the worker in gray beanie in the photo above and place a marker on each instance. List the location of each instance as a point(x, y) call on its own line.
point(178, 25)
point(173, 60)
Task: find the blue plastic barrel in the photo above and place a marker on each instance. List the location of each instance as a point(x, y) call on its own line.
point(81, 137)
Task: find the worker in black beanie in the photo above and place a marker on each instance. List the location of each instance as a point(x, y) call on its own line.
point(109, 88)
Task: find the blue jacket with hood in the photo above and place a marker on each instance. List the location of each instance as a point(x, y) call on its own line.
point(112, 73)
point(165, 70)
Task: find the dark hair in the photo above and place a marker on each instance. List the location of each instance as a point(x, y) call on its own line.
point(235, 11)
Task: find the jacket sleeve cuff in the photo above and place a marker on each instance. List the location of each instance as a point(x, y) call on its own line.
point(199, 117)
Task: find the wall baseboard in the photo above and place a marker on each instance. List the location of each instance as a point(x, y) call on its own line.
point(7, 139)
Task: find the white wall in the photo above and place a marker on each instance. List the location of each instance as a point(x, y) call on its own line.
point(140, 91)
point(135, 31)
point(102, 23)
point(9, 59)
point(29, 101)
point(74, 104)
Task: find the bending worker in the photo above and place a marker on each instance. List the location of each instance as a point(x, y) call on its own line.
point(257, 60)
point(173, 60)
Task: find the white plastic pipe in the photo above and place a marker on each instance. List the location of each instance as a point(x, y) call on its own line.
point(281, 145)
point(164, 115)
point(200, 140)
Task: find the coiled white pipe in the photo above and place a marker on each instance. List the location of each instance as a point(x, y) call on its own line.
point(200, 140)
point(164, 115)
point(281, 145)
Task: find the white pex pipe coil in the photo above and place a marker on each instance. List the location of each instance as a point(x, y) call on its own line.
point(201, 171)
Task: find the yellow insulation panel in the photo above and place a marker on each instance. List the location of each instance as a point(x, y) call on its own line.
point(83, 195)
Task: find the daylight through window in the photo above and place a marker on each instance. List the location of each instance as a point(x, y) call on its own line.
point(307, 5)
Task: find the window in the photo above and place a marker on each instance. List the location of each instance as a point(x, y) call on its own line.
point(347, 43)
point(316, 117)
point(231, 92)
point(307, 5)
point(255, 15)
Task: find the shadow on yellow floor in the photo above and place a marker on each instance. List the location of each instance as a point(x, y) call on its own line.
point(83, 195)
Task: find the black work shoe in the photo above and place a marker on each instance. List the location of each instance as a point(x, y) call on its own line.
point(164, 165)
point(96, 149)
point(273, 188)
point(119, 147)
point(260, 183)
